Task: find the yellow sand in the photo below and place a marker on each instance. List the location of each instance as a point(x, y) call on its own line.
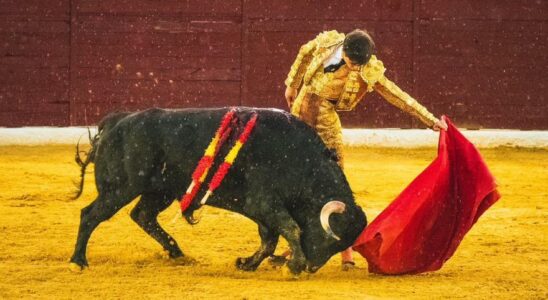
point(504, 256)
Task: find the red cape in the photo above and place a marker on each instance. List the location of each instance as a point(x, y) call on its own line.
point(423, 226)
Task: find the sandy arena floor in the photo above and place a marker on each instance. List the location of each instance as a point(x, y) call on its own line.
point(504, 256)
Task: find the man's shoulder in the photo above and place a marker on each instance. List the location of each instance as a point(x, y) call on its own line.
point(372, 71)
point(330, 38)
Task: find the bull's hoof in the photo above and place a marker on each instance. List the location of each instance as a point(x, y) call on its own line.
point(288, 273)
point(245, 264)
point(277, 261)
point(170, 254)
point(174, 253)
point(183, 261)
point(311, 270)
point(296, 266)
point(76, 268)
point(78, 264)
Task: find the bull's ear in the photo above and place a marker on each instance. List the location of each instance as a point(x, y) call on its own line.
point(329, 208)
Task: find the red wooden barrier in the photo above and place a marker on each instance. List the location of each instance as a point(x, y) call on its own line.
point(69, 62)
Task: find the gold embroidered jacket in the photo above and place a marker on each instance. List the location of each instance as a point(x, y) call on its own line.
point(346, 89)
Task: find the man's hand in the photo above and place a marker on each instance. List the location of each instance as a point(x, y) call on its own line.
point(290, 94)
point(440, 124)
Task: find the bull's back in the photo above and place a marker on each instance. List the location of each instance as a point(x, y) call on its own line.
point(166, 145)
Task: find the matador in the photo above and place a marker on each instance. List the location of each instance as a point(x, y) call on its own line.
point(333, 72)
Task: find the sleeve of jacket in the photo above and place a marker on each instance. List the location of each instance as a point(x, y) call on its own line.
point(296, 73)
point(393, 94)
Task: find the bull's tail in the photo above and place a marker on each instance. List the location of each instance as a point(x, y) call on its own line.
point(106, 124)
point(83, 163)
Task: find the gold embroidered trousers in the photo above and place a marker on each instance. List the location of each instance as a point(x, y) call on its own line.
point(320, 114)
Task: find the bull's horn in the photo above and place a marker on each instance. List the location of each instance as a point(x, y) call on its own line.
point(329, 208)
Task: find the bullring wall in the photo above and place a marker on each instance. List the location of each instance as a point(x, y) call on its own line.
point(69, 62)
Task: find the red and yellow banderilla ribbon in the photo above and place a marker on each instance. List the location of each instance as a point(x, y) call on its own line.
point(229, 159)
point(201, 171)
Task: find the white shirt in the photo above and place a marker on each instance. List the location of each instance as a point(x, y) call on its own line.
point(335, 57)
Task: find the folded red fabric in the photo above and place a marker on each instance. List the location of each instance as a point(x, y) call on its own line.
point(421, 229)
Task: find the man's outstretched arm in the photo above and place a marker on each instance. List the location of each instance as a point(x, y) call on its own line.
point(394, 95)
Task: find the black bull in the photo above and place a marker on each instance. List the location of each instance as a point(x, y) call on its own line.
point(284, 179)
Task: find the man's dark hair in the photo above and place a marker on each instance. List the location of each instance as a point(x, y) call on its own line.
point(358, 46)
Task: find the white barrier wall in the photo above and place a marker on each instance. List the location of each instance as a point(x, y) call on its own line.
point(405, 138)
point(413, 138)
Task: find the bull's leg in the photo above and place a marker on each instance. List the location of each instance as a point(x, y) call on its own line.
point(269, 240)
point(145, 214)
point(102, 209)
point(290, 230)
